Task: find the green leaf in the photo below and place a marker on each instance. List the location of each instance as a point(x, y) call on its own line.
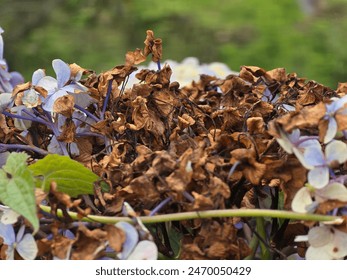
point(71, 176)
point(17, 187)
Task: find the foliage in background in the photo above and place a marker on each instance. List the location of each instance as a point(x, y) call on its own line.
point(275, 34)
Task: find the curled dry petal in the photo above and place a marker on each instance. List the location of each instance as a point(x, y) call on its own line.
point(64, 105)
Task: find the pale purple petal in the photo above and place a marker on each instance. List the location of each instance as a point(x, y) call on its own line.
point(336, 151)
point(48, 83)
point(37, 76)
point(294, 136)
point(16, 78)
point(73, 88)
point(27, 247)
point(7, 234)
point(339, 103)
point(132, 237)
point(62, 71)
point(308, 143)
point(300, 156)
point(318, 177)
point(5, 77)
point(331, 131)
point(314, 156)
point(20, 234)
point(54, 147)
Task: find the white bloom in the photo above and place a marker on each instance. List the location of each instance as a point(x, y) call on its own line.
point(326, 243)
point(303, 200)
point(187, 71)
point(7, 215)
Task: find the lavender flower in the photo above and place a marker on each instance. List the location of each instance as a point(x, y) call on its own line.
point(24, 244)
point(320, 163)
point(332, 109)
point(60, 86)
point(294, 143)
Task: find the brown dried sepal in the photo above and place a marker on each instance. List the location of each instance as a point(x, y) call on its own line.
point(153, 46)
point(64, 105)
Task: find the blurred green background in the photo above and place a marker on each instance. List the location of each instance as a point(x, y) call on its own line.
point(304, 36)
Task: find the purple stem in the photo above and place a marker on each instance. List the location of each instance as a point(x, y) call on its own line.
point(33, 119)
point(188, 196)
point(160, 206)
point(56, 132)
point(87, 113)
point(109, 90)
point(23, 147)
point(85, 134)
point(159, 65)
point(232, 169)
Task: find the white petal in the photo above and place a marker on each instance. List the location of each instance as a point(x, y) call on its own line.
point(301, 238)
point(336, 150)
point(9, 217)
point(62, 71)
point(319, 253)
point(320, 236)
point(48, 83)
point(285, 144)
point(339, 247)
point(301, 200)
point(27, 247)
point(318, 177)
point(334, 191)
point(5, 100)
point(145, 250)
point(331, 131)
point(19, 123)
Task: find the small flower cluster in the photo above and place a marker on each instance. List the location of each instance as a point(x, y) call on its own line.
point(22, 243)
point(324, 181)
point(188, 70)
